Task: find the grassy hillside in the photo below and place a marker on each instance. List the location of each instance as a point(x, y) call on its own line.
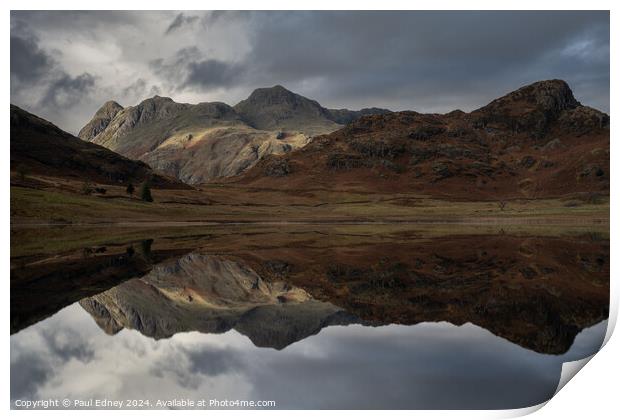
point(244, 204)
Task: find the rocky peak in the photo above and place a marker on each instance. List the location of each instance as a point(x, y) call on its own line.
point(547, 95)
point(100, 120)
point(276, 96)
point(277, 107)
point(531, 108)
point(153, 109)
point(109, 110)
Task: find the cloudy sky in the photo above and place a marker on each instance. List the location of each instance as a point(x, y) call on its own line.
point(427, 365)
point(64, 65)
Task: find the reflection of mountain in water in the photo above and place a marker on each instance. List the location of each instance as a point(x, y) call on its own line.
point(537, 292)
point(42, 288)
point(213, 295)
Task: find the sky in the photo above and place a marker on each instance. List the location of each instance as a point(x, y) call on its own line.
point(427, 365)
point(65, 65)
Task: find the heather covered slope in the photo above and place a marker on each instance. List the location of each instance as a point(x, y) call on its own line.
point(40, 148)
point(197, 143)
point(535, 142)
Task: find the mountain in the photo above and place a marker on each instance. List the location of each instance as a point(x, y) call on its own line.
point(278, 286)
point(535, 291)
point(530, 290)
point(40, 148)
point(210, 294)
point(100, 121)
point(42, 287)
point(534, 142)
point(197, 143)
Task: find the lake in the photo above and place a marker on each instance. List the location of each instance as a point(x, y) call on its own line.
point(303, 317)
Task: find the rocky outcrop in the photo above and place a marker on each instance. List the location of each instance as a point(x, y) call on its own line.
point(345, 116)
point(100, 121)
point(197, 143)
point(506, 149)
point(279, 108)
point(211, 294)
point(139, 129)
point(200, 156)
point(531, 108)
point(278, 167)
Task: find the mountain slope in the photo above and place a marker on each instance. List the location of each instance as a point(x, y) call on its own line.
point(212, 295)
point(277, 108)
point(40, 148)
point(100, 121)
point(196, 143)
point(537, 141)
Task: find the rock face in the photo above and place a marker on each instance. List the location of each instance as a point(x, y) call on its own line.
point(39, 147)
point(532, 108)
point(506, 149)
point(278, 108)
point(100, 121)
point(212, 295)
point(197, 143)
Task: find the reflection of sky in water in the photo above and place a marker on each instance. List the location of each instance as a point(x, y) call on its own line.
point(430, 365)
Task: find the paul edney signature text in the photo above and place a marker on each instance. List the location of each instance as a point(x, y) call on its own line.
point(105, 403)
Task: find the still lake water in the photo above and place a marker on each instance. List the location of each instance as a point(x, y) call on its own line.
point(309, 320)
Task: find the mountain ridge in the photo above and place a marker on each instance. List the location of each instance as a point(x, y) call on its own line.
point(533, 142)
point(169, 136)
point(38, 147)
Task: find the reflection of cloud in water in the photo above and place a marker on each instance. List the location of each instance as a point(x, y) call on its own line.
point(422, 366)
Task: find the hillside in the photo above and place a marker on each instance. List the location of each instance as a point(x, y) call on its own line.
point(197, 143)
point(212, 295)
point(40, 148)
point(537, 141)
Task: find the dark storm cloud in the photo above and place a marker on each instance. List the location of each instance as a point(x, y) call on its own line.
point(212, 73)
point(66, 345)
point(32, 67)
point(213, 361)
point(28, 372)
point(67, 91)
point(189, 69)
point(28, 61)
point(179, 21)
point(190, 365)
point(424, 59)
point(140, 89)
point(429, 61)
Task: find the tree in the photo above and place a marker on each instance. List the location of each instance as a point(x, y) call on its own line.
point(145, 192)
point(130, 189)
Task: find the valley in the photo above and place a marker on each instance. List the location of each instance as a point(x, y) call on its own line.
point(535, 155)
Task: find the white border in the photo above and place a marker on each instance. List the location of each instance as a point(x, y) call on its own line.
point(592, 395)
